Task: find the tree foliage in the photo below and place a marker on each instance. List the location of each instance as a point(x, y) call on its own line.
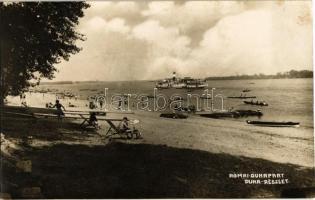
point(35, 36)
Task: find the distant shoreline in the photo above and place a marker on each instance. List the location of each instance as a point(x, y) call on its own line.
point(251, 78)
point(208, 79)
point(292, 74)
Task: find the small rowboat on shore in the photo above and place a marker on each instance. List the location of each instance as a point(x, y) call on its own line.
point(273, 124)
point(174, 115)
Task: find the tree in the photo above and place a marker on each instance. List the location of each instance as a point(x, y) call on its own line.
point(34, 36)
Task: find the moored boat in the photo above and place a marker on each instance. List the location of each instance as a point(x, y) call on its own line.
point(246, 113)
point(233, 114)
point(256, 103)
point(174, 115)
point(242, 97)
point(273, 123)
point(218, 115)
point(246, 90)
point(203, 96)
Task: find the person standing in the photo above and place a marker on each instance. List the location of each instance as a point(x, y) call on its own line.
point(101, 102)
point(58, 106)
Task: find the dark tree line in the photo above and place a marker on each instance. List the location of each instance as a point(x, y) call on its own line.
point(33, 37)
point(289, 74)
point(296, 74)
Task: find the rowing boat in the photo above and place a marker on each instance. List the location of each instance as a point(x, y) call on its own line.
point(273, 124)
point(242, 97)
point(257, 103)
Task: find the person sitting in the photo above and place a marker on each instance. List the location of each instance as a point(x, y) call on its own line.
point(124, 125)
point(23, 100)
point(93, 120)
point(92, 105)
point(49, 105)
point(230, 109)
point(124, 128)
point(71, 105)
point(58, 105)
point(24, 103)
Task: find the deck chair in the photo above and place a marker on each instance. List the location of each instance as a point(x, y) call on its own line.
point(89, 124)
point(117, 130)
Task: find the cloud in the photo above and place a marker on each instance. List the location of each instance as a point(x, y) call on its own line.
point(167, 47)
point(140, 40)
point(98, 24)
point(192, 17)
point(255, 41)
point(164, 40)
point(109, 53)
point(129, 10)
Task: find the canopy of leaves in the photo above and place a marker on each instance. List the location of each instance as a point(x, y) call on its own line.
point(34, 36)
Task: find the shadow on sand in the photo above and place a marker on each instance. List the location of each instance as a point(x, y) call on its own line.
point(121, 170)
point(20, 127)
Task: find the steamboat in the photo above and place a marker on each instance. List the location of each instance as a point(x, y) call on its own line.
point(181, 83)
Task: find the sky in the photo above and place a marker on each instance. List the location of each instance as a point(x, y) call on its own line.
point(134, 40)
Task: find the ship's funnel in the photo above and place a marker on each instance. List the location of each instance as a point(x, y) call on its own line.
point(174, 76)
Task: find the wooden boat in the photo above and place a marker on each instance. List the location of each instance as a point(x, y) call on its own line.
point(256, 103)
point(174, 115)
point(217, 115)
point(150, 96)
point(273, 124)
point(242, 97)
point(246, 113)
point(205, 96)
point(232, 114)
point(177, 98)
point(189, 109)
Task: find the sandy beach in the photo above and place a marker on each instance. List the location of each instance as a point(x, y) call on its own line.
point(192, 156)
point(231, 137)
point(213, 135)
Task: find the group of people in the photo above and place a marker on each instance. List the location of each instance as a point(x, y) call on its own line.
point(92, 120)
point(124, 126)
point(95, 102)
